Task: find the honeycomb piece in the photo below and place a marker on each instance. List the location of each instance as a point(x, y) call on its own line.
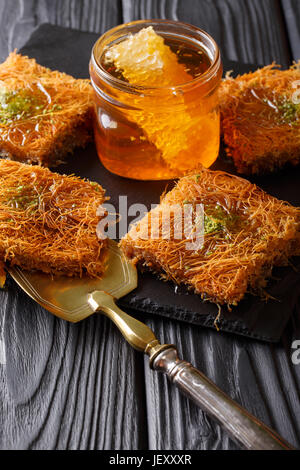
point(144, 59)
point(176, 129)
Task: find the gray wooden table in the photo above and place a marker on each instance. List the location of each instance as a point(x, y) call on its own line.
point(65, 386)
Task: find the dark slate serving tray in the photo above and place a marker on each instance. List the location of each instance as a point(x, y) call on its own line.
point(69, 51)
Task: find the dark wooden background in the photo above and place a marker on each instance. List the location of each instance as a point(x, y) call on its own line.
point(81, 386)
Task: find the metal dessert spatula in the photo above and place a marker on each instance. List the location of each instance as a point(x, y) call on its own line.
point(75, 299)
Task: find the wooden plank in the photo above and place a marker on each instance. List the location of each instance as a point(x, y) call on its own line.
point(20, 17)
point(60, 387)
point(86, 15)
point(259, 376)
point(64, 386)
point(291, 12)
point(230, 22)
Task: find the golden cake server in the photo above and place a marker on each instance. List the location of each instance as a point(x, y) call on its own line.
point(75, 299)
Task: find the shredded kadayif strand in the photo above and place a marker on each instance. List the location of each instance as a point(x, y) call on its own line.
point(48, 221)
point(58, 120)
point(246, 233)
point(260, 119)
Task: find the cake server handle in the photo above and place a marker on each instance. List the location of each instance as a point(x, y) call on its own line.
point(243, 427)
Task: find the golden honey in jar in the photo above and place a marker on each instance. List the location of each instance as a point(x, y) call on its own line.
point(155, 85)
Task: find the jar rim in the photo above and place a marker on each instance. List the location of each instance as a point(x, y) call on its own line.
point(203, 78)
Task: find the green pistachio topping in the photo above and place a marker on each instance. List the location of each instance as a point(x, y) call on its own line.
point(286, 111)
point(217, 219)
point(211, 225)
point(289, 112)
point(19, 105)
point(23, 197)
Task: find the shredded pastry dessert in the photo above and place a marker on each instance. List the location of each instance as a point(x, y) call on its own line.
point(246, 233)
point(48, 221)
point(44, 114)
point(260, 118)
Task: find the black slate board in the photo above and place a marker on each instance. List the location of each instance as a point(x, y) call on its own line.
point(69, 51)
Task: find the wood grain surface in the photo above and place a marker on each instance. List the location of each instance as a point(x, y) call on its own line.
point(65, 386)
point(250, 30)
point(291, 14)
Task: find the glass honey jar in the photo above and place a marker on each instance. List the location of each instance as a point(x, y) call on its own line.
point(156, 105)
